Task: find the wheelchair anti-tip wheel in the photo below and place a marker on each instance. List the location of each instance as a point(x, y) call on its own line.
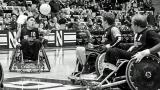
point(144, 75)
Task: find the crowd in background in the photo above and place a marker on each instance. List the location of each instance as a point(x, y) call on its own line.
point(75, 14)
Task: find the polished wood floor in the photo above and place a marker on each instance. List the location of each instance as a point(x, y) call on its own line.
point(62, 61)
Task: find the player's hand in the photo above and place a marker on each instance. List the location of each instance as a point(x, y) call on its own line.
point(90, 45)
point(16, 43)
point(108, 46)
point(139, 55)
point(103, 40)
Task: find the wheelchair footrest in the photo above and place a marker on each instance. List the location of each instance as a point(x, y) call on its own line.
point(30, 67)
point(26, 65)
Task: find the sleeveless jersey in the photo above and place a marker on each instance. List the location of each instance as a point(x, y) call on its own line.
point(29, 34)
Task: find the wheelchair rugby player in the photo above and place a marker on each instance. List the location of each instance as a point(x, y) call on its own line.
point(142, 71)
point(111, 38)
point(29, 39)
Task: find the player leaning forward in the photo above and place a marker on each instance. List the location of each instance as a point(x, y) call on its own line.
point(145, 42)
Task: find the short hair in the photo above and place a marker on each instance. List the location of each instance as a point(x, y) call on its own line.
point(30, 17)
point(14, 14)
point(109, 17)
point(139, 20)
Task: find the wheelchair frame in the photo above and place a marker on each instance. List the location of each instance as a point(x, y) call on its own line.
point(38, 65)
point(126, 79)
point(106, 83)
point(128, 75)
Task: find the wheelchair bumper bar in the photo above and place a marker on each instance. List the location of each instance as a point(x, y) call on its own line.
point(113, 84)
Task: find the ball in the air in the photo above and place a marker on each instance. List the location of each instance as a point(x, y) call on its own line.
point(45, 9)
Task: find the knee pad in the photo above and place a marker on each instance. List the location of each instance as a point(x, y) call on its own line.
point(81, 54)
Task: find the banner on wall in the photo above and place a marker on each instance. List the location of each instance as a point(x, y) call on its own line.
point(3, 40)
point(14, 9)
point(11, 36)
point(51, 39)
point(69, 38)
point(59, 37)
point(55, 38)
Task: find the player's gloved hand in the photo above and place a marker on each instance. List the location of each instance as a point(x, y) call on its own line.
point(108, 46)
point(139, 55)
point(16, 43)
point(90, 45)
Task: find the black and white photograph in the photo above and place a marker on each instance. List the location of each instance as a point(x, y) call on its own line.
point(79, 44)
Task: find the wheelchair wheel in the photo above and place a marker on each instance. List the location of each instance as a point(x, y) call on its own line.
point(99, 64)
point(121, 72)
point(89, 66)
point(80, 66)
point(144, 75)
point(1, 76)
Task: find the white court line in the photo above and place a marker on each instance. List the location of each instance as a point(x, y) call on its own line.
point(20, 84)
point(65, 87)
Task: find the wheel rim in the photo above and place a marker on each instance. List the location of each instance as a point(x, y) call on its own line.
point(2, 74)
point(143, 75)
point(100, 61)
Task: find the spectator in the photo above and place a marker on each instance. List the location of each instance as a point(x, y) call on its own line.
point(36, 15)
point(151, 19)
point(55, 8)
point(63, 19)
point(7, 21)
point(13, 22)
point(13, 3)
point(29, 10)
point(89, 23)
point(1, 2)
point(53, 24)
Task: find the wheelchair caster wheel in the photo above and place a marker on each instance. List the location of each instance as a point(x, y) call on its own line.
point(43, 68)
point(39, 71)
point(1, 85)
point(83, 83)
point(72, 81)
point(21, 71)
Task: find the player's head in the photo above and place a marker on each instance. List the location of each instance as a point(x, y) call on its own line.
point(30, 22)
point(138, 21)
point(109, 18)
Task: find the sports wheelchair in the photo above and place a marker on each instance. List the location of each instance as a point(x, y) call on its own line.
point(19, 64)
point(143, 75)
point(126, 74)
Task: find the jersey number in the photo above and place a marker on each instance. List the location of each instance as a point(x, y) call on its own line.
point(33, 34)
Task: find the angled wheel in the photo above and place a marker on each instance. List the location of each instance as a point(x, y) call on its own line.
point(46, 60)
point(1, 76)
point(99, 64)
point(144, 75)
point(13, 59)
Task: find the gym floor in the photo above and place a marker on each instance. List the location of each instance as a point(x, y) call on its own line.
point(62, 61)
